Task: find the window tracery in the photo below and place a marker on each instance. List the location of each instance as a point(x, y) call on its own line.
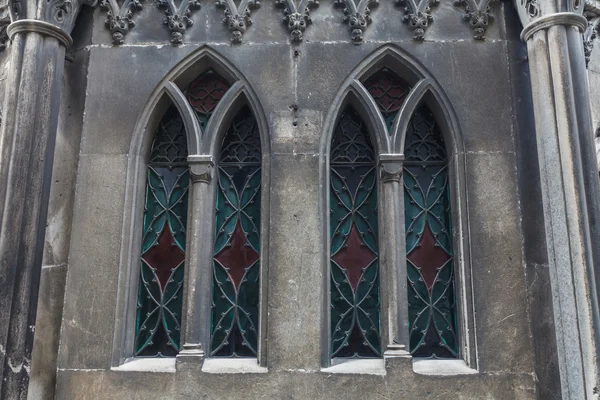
point(354, 241)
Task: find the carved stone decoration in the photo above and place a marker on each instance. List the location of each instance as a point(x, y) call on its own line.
point(297, 18)
point(592, 14)
point(237, 18)
point(478, 15)
point(119, 19)
point(4, 22)
point(357, 16)
point(177, 19)
point(418, 16)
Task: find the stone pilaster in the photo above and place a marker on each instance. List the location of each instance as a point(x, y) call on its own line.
point(569, 182)
point(199, 278)
point(394, 307)
point(40, 35)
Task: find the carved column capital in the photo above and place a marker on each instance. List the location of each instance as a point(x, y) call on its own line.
point(390, 167)
point(54, 18)
point(542, 14)
point(201, 168)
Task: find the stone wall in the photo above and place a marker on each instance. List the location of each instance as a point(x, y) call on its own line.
point(110, 85)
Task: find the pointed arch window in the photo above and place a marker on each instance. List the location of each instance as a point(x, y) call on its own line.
point(354, 241)
point(160, 295)
point(429, 244)
point(236, 259)
point(163, 242)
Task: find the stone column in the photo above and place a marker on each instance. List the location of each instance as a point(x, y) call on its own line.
point(569, 183)
point(394, 299)
point(26, 153)
point(196, 318)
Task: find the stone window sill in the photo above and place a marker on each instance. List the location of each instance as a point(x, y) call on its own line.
point(438, 367)
point(147, 365)
point(232, 366)
point(373, 366)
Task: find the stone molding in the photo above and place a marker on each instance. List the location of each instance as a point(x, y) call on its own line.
point(477, 15)
point(418, 15)
point(45, 28)
point(296, 18)
point(201, 168)
point(237, 18)
point(545, 22)
point(177, 18)
point(357, 16)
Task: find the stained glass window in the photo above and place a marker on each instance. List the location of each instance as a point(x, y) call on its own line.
point(354, 242)
point(237, 241)
point(204, 93)
point(430, 262)
point(163, 242)
point(389, 92)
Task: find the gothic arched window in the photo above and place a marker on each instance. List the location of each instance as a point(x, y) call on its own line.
point(236, 265)
point(429, 245)
point(354, 241)
point(163, 242)
point(159, 308)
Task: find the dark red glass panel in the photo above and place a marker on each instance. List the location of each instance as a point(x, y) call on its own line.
point(205, 91)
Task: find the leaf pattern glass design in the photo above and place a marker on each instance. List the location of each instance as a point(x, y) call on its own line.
point(204, 93)
point(354, 242)
point(159, 301)
point(236, 265)
point(429, 246)
point(389, 92)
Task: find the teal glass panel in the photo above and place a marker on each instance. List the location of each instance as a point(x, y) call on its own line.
point(159, 302)
point(429, 245)
point(354, 242)
point(236, 265)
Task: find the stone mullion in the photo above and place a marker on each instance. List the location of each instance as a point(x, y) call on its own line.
point(394, 295)
point(197, 315)
point(566, 213)
point(28, 135)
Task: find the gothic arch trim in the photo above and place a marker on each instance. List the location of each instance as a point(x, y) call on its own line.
point(203, 148)
point(425, 90)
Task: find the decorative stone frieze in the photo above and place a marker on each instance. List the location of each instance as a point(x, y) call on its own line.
point(237, 18)
point(177, 18)
point(477, 15)
point(296, 18)
point(357, 16)
point(418, 15)
point(119, 18)
point(592, 14)
point(4, 22)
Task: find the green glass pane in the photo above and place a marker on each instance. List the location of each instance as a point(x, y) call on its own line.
point(158, 321)
point(235, 301)
point(431, 304)
point(353, 222)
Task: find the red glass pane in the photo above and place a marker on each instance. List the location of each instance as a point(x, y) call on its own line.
point(388, 90)
point(205, 92)
point(164, 256)
point(354, 257)
point(237, 256)
point(428, 257)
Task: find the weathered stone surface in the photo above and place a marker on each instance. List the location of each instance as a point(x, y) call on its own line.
point(296, 286)
point(45, 346)
point(497, 262)
point(89, 314)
